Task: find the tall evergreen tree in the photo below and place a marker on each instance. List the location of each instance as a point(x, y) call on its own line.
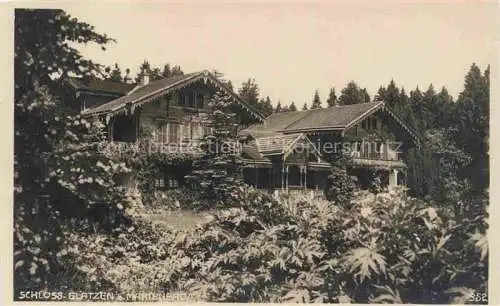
point(115, 75)
point(352, 94)
point(292, 107)
point(391, 95)
point(249, 92)
point(155, 74)
point(380, 94)
point(316, 103)
point(471, 127)
point(278, 107)
point(416, 104)
point(265, 106)
point(365, 96)
point(144, 69)
point(332, 98)
point(218, 172)
point(126, 77)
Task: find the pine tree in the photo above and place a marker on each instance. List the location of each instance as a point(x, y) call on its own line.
point(365, 96)
point(115, 75)
point(416, 105)
point(278, 107)
point(380, 94)
point(265, 106)
point(292, 107)
point(126, 77)
point(305, 106)
point(249, 92)
point(332, 98)
point(167, 72)
point(352, 94)
point(471, 126)
point(316, 103)
point(218, 173)
point(156, 74)
point(144, 69)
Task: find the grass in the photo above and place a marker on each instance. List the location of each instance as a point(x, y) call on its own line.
point(179, 219)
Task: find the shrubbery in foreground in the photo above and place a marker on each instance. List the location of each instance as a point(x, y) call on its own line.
point(385, 248)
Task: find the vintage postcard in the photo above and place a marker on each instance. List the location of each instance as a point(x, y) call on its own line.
point(250, 152)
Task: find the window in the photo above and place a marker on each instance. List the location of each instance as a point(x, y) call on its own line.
point(159, 183)
point(173, 133)
point(207, 130)
point(369, 124)
point(172, 183)
point(191, 99)
point(196, 130)
point(161, 134)
point(200, 101)
point(186, 131)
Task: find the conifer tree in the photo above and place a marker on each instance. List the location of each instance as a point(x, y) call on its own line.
point(278, 107)
point(316, 103)
point(352, 94)
point(115, 75)
point(332, 98)
point(249, 92)
point(218, 172)
point(292, 107)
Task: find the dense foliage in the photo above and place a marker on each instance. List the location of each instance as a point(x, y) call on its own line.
point(59, 180)
point(218, 171)
point(384, 248)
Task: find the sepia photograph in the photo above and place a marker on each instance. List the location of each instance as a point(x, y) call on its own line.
point(252, 152)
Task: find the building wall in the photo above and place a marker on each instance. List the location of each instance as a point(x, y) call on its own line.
point(177, 119)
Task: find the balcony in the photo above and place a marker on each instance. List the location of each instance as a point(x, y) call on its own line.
point(384, 157)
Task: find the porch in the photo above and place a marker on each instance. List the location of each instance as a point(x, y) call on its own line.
point(286, 177)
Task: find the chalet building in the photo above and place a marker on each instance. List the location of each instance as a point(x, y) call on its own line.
point(290, 150)
point(170, 114)
point(287, 150)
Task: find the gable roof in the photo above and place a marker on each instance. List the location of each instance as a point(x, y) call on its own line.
point(276, 144)
point(99, 85)
point(283, 144)
point(337, 118)
point(155, 89)
point(331, 118)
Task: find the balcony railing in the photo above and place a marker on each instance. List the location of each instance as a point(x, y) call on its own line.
point(384, 154)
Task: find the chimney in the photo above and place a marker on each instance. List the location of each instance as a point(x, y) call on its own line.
point(144, 80)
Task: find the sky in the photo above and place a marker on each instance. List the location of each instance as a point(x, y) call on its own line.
point(292, 49)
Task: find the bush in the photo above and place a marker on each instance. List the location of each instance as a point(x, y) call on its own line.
point(339, 187)
point(301, 248)
point(173, 199)
point(388, 248)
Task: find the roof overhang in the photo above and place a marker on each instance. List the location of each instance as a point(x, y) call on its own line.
point(206, 76)
point(383, 107)
point(319, 129)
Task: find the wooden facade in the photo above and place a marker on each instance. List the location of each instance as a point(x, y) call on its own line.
point(288, 151)
point(375, 140)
